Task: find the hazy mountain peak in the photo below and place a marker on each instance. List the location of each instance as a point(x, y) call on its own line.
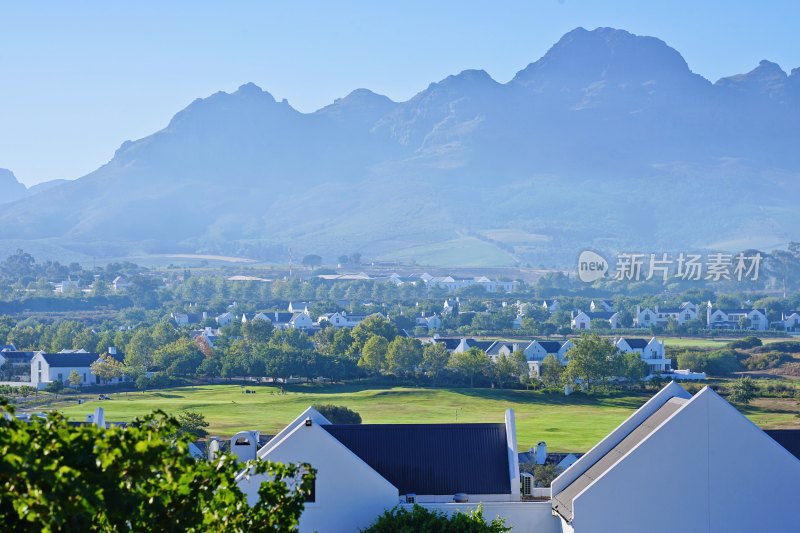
point(10, 188)
point(582, 57)
point(767, 78)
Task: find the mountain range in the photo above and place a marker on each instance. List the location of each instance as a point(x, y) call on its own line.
point(608, 141)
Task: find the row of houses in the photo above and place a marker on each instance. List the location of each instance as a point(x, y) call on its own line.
point(647, 317)
point(717, 470)
point(651, 351)
point(448, 283)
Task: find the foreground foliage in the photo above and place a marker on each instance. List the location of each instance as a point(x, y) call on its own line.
point(421, 520)
point(56, 477)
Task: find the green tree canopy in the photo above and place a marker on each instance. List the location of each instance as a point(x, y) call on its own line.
point(471, 364)
point(54, 477)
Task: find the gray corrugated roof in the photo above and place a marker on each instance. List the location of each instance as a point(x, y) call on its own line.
point(431, 459)
point(562, 502)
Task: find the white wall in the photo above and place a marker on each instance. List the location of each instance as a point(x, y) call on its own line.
point(349, 494)
point(706, 469)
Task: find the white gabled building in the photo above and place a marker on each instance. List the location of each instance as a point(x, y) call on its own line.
point(646, 317)
point(651, 352)
point(681, 463)
point(582, 321)
point(49, 367)
point(364, 470)
point(730, 318)
point(791, 321)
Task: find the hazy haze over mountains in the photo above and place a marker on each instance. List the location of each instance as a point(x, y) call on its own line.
point(608, 141)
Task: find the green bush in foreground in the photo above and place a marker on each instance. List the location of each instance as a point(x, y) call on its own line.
point(55, 477)
point(421, 520)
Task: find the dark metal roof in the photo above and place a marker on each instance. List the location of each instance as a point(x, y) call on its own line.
point(64, 360)
point(450, 344)
point(438, 459)
point(636, 343)
point(562, 502)
point(788, 438)
point(16, 357)
point(482, 345)
point(550, 346)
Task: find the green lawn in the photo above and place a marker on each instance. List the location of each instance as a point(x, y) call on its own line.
point(688, 342)
point(573, 423)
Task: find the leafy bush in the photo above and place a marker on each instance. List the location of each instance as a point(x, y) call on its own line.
point(338, 414)
point(780, 346)
point(718, 362)
point(745, 343)
point(137, 478)
point(764, 361)
point(421, 520)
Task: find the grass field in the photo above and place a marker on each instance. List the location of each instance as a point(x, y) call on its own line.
point(572, 423)
point(687, 342)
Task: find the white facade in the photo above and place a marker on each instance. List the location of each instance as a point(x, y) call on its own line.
point(43, 373)
point(583, 321)
point(646, 317)
point(703, 468)
point(729, 318)
point(653, 353)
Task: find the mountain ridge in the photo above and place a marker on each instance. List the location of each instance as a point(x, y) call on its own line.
point(606, 122)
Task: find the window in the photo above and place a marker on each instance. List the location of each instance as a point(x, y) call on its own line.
point(84, 377)
point(40, 365)
point(61, 377)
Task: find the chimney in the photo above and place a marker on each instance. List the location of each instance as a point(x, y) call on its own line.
point(112, 350)
point(99, 418)
point(541, 453)
point(213, 447)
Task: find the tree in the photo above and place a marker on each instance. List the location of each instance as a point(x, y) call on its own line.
point(511, 368)
point(434, 360)
point(74, 378)
point(370, 326)
point(179, 358)
point(99, 287)
point(632, 367)
point(471, 364)
point(743, 390)
point(257, 330)
point(193, 424)
point(137, 478)
point(551, 371)
point(403, 356)
point(338, 414)
point(312, 261)
point(107, 368)
point(592, 359)
point(543, 475)
point(421, 519)
point(373, 356)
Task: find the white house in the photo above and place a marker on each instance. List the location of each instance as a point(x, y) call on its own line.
point(651, 352)
point(551, 306)
point(341, 319)
point(791, 321)
point(646, 317)
point(120, 285)
point(49, 367)
point(365, 469)
point(601, 305)
point(538, 350)
point(681, 463)
point(225, 318)
point(583, 321)
point(431, 321)
point(300, 307)
point(730, 318)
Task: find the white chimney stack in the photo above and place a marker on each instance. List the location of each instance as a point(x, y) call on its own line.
point(99, 418)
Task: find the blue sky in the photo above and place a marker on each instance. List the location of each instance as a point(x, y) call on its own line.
point(78, 78)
